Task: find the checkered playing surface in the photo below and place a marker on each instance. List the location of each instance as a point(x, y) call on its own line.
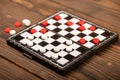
point(62, 38)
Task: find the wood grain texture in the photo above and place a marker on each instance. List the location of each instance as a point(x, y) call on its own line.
point(9, 71)
point(102, 66)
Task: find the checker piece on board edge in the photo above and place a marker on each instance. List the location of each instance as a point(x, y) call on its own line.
point(62, 40)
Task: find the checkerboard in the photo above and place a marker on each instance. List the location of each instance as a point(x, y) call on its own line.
point(62, 40)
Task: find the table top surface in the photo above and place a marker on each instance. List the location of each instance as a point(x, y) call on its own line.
point(102, 66)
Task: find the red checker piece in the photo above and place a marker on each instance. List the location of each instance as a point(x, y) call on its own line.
point(81, 28)
point(7, 30)
point(92, 28)
point(81, 22)
point(43, 30)
point(69, 23)
point(17, 24)
point(57, 17)
point(96, 41)
point(33, 31)
point(82, 41)
point(44, 23)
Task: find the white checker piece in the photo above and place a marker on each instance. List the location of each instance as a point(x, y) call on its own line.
point(62, 61)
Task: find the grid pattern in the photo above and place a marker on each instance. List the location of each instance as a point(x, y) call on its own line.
point(52, 41)
point(72, 32)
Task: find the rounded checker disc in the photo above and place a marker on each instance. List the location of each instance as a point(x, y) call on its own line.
point(81, 28)
point(33, 31)
point(7, 30)
point(56, 49)
point(81, 22)
point(26, 22)
point(42, 50)
point(12, 32)
point(82, 41)
point(69, 49)
point(44, 23)
point(57, 17)
point(17, 24)
point(69, 23)
point(96, 41)
point(43, 30)
point(92, 28)
point(69, 42)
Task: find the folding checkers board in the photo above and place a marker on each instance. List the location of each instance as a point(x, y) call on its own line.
point(66, 40)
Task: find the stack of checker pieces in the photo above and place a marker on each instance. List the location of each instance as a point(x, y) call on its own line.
point(49, 39)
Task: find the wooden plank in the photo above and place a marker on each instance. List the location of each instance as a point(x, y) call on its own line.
point(4, 3)
point(29, 65)
point(93, 69)
point(108, 11)
point(9, 71)
point(28, 3)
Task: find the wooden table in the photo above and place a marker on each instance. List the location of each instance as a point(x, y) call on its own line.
point(103, 66)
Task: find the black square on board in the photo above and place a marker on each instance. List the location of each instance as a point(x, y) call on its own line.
point(55, 36)
point(93, 34)
point(57, 24)
point(55, 43)
point(69, 29)
point(68, 17)
point(69, 57)
point(43, 43)
point(69, 35)
point(57, 30)
point(81, 35)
